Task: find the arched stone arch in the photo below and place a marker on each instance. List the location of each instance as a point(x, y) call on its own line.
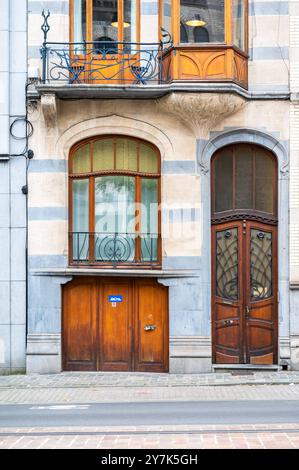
point(113, 124)
point(205, 152)
point(238, 136)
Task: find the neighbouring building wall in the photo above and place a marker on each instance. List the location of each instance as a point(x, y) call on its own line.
point(13, 73)
point(294, 181)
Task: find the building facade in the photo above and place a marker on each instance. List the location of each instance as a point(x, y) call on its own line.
point(161, 228)
point(14, 128)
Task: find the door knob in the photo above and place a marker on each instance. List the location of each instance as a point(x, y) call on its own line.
point(150, 327)
point(228, 322)
point(247, 312)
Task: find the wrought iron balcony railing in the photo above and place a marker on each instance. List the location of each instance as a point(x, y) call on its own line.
point(102, 62)
point(114, 249)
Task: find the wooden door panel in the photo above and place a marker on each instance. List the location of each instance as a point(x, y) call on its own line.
point(79, 326)
point(227, 298)
point(245, 325)
point(98, 335)
point(151, 327)
point(116, 326)
point(227, 337)
point(261, 295)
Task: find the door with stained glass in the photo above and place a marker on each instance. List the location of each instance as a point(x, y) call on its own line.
point(244, 293)
point(244, 256)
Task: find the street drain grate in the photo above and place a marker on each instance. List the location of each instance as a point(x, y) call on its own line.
point(241, 372)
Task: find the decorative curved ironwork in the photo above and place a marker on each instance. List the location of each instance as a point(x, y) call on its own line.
point(102, 61)
point(99, 62)
point(227, 264)
point(260, 265)
point(114, 248)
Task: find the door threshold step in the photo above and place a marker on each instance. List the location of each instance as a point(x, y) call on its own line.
point(243, 369)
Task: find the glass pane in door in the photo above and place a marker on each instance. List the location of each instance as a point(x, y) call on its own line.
point(260, 265)
point(129, 24)
point(79, 21)
point(115, 218)
point(105, 25)
point(227, 263)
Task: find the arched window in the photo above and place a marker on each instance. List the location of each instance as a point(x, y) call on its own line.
point(114, 197)
point(244, 183)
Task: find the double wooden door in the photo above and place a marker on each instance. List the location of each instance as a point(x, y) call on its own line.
point(244, 293)
point(115, 324)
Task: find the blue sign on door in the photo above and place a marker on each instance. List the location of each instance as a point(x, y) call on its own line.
point(115, 298)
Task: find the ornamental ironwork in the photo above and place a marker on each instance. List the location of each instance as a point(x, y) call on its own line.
point(102, 62)
point(114, 248)
point(260, 265)
point(227, 264)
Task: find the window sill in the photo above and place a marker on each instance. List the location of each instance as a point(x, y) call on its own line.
point(73, 271)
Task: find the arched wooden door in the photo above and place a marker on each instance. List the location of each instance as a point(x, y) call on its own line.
point(244, 256)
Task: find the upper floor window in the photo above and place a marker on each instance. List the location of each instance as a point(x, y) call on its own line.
point(105, 21)
point(115, 192)
point(206, 21)
point(244, 181)
point(202, 21)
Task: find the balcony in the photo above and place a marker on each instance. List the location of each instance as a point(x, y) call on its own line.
point(115, 250)
point(102, 63)
point(194, 47)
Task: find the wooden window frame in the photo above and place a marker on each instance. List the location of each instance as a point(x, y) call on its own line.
point(91, 202)
point(249, 214)
point(89, 20)
point(228, 26)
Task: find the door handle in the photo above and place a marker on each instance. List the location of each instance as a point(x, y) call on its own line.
point(150, 327)
point(228, 322)
point(246, 311)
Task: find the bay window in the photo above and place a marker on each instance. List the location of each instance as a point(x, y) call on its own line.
point(202, 21)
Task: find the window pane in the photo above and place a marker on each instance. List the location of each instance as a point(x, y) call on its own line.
point(149, 219)
point(148, 162)
point(202, 21)
point(224, 181)
point(129, 26)
point(126, 154)
point(239, 24)
point(79, 20)
point(104, 23)
point(264, 182)
point(243, 162)
point(115, 218)
point(80, 219)
point(81, 160)
point(166, 16)
point(103, 155)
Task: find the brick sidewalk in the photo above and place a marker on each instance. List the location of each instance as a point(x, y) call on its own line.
point(274, 436)
point(143, 394)
point(131, 379)
point(76, 387)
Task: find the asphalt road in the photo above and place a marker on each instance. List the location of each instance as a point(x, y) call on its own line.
point(133, 414)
